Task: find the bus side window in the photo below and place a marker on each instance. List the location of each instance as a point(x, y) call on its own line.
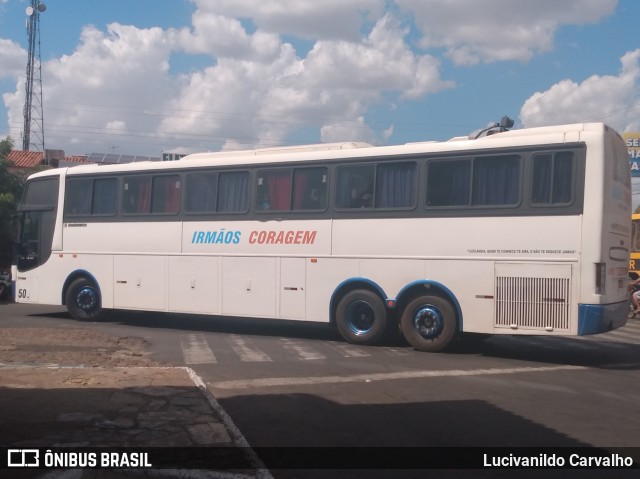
point(274, 190)
point(233, 192)
point(449, 183)
point(310, 189)
point(395, 185)
point(552, 178)
point(165, 194)
point(78, 196)
point(355, 186)
point(202, 192)
point(136, 195)
point(105, 191)
point(496, 180)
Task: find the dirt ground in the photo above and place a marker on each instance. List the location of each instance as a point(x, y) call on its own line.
point(71, 347)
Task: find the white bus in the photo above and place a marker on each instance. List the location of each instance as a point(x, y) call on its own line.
point(520, 232)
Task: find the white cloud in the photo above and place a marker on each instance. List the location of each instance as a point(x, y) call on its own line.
point(112, 78)
point(337, 79)
point(351, 131)
point(13, 59)
point(309, 19)
point(117, 88)
point(221, 36)
point(614, 100)
point(495, 30)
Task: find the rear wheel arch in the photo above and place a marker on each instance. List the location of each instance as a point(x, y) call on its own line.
point(359, 311)
point(346, 287)
point(428, 287)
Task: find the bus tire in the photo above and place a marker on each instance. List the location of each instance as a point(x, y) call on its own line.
point(361, 317)
point(428, 323)
point(83, 300)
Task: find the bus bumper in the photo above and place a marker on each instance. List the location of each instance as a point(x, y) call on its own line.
point(600, 318)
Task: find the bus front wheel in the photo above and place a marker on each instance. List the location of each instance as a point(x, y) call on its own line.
point(428, 323)
point(83, 300)
point(361, 317)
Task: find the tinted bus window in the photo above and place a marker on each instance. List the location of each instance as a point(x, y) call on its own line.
point(552, 178)
point(310, 189)
point(496, 181)
point(274, 190)
point(105, 191)
point(483, 181)
point(165, 196)
point(78, 196)
point(136, 195)
point(448, 183)
point(90, 196)
point(42, 192)
point(202, 192)
point(395, 185)
point(233, 192)
point(355, 186)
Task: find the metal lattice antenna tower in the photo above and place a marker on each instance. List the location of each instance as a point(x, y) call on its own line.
point(33, 134)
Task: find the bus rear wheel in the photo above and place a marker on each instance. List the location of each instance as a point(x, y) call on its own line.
point(83, 300)
point(361, 317)
point(428, 323)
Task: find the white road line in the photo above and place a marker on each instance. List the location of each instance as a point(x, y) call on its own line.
point(273, 382)
point(397, 351)
point(302, 351)
point(261, 472)
point(247, 350)
point(348, 350)
point(195, 349)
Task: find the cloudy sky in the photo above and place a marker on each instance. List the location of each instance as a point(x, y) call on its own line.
point(146, 77)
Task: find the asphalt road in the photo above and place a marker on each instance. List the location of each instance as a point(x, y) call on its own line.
point(294, 384)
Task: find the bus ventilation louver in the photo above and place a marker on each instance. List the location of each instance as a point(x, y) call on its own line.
point(532, 303)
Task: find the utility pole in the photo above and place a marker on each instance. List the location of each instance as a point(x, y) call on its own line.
point(33, 134)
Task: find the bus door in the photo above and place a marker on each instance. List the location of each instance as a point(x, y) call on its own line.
point(36, 223)
point(34, 239)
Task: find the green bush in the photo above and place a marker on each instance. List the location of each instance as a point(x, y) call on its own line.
point(11, 186)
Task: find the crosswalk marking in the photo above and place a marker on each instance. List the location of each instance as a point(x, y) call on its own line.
point(348, 350)
point(302, 351)
point(397, 351)
point(247, 350)
point(195, 349)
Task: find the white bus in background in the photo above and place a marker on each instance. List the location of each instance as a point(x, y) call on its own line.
point(520, 232)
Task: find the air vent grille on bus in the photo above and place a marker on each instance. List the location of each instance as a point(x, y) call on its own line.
point(533, 303)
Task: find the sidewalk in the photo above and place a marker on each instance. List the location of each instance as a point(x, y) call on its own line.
point(116, 407)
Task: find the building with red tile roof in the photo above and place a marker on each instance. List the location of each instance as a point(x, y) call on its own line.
point(25, 159)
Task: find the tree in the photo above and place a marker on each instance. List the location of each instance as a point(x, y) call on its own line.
point(11, 186)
